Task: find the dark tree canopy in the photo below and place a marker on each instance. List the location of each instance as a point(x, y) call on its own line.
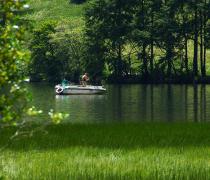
point(159, 31)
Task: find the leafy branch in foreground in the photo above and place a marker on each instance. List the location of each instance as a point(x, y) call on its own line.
point(13, 97)
point(13, 57)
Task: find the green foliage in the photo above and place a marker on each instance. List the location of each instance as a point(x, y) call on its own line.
point(150, 39)
point(68, 43)
point(13, 57)
point(94, 46)
point(107, 28)
point(57, 117)
point(42, 53)
point(57, 52)
point(159, 31)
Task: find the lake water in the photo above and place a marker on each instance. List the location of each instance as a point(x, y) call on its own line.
point(129, 103)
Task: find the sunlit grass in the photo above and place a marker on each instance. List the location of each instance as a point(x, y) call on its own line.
point(58, 10)
point(111, 151)
point(191, 53)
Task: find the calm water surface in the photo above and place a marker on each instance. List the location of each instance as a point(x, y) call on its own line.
point(129, 103)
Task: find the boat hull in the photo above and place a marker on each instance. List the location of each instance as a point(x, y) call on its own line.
point(79, 90)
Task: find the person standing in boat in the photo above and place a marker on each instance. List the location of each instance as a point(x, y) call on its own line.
point(85, 79)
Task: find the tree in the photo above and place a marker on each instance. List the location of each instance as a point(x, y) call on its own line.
point(13, 56)
point(161, 30)
point(43, 65)
point(141, 34)
point(167, 35)
point(57, 53)
point(204, 6)
point(108, 24)
point(94, 40)
point(154, 7)
point(185, 23)
point(195, 56)
point(68, 45)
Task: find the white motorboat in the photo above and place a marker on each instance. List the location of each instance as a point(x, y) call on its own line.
point(78, 89)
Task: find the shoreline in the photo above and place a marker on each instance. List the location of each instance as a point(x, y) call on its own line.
point(139, 80)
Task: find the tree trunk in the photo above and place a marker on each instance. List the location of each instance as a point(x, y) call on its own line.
point(169, 59)
point(145, 69)
point(195, 58)
point(186, 54)
point(201, 44)
point(152, 47)
point(119, 42)
point(169, 64)
point(204, 39)
point(129, 61)
point(119, 62)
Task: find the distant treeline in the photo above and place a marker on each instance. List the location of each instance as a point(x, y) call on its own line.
point(135, 40)
point(158, 33)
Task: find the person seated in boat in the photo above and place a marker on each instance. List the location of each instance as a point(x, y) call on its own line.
point(85, 79)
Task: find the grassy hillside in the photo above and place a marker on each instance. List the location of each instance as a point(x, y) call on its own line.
point(58, 10)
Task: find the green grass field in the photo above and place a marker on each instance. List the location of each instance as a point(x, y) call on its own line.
point(58, 10)
point(111, 151)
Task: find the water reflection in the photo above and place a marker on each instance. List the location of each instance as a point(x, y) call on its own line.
point(203, 103)
point(126, 103)
point(78, 97)
point(152, 102)
point(195, 102)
